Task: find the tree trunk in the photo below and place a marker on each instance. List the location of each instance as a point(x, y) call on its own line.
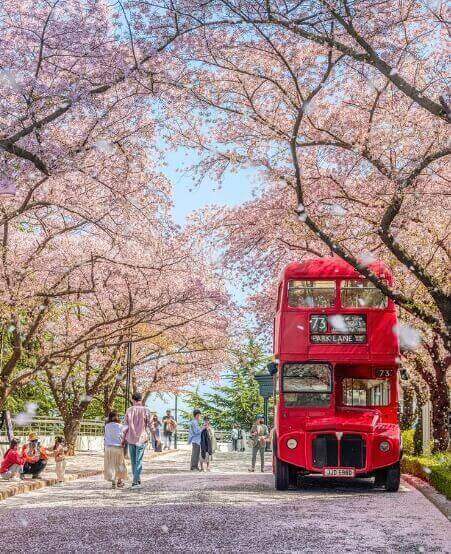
point(440, 407)
point(418, 435)
point(4, 393)
point(439, 397)
point(110, 394)
point(408, 410)
point(71, 429)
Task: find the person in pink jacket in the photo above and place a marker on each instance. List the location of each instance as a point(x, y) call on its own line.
point(12, 463)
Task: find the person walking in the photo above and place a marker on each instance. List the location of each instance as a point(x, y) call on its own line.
point(114, 468)
point(194, 436)
point(35, 456)
point(136, 435)
point(207, 445)
point(259, 437)
point(241, 439)
point(235, 437)
point(169, 427)
point(155, 425)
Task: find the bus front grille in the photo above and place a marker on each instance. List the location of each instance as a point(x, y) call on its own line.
point(353, 451)
point(325, 451)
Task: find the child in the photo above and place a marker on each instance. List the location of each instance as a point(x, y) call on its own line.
point(12, 463)
point(114, 462)
point(206, 445)
point(59, 451)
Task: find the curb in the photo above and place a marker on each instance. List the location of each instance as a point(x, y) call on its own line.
point(439, 500)
point(32, 485)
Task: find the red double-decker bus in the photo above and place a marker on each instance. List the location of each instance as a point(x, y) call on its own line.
point(335, 376)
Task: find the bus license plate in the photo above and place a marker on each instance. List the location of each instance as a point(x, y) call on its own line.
point(339, 472)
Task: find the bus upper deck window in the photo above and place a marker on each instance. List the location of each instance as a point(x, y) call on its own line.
point(311, 294)
point(361, 293)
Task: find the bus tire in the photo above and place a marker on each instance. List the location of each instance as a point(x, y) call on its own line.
point(293, 476)
point(380, 478)
point(281, 475)
point(393, 478)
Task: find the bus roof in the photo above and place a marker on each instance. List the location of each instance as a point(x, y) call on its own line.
point(331, 267)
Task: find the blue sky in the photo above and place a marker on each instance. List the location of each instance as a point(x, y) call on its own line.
point(236, 188)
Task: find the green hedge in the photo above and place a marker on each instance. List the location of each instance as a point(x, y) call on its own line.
point(407, 442)
point(436, 470)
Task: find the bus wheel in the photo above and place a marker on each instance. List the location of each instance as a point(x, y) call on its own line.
point(380, 478)
point(393, 478)
point(282, 474)
point(293, 476)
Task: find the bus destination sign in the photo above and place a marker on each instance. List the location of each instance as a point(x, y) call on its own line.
point(338, 339)
point(343, 329)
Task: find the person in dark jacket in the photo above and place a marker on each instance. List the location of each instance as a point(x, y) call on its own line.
point(206, 445)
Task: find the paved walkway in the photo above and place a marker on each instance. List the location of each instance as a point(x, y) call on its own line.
point(82, 465)
point(228, 510)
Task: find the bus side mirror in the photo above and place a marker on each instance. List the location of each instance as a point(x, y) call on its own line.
point(272, 368)
point(404, 373)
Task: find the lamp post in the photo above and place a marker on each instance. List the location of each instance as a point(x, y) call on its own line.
point(175, 416)
point(128, 378)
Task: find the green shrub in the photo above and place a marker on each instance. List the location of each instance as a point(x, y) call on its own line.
point(407, 442)
point(436, 470)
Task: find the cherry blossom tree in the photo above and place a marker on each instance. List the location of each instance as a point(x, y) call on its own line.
point(349, 132)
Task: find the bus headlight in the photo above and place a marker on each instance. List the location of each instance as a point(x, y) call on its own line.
point(292, 443)
point(384, 446)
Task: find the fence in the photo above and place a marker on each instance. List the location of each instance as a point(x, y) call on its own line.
point(53, 426)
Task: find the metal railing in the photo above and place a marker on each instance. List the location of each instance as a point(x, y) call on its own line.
point(53, 426)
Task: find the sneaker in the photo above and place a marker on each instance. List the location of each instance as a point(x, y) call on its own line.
point(120, 484)
point(136, 486)
point(251, 470)
point(113, 484)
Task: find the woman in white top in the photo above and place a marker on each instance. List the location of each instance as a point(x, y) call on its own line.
point(114, 461)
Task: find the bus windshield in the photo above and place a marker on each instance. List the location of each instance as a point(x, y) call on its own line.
point(307, 384)
point(366, 392)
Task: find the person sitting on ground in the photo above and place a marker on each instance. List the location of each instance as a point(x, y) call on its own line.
point(12, 463)
point(35, 457)
point(169, 427)
point(114, 460)
point(59, 452)
point(206, 445)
